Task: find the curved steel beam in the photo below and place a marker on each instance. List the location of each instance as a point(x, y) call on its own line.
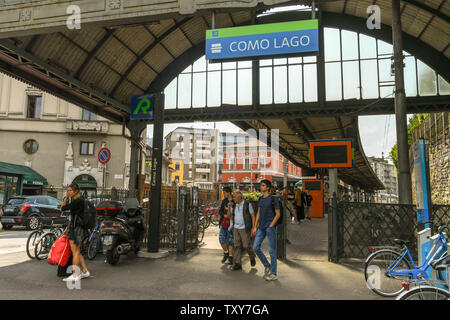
point(430, 56)
point(435, 12)
point(146, 51)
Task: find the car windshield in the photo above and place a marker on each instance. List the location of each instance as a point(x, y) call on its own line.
point(15, 201)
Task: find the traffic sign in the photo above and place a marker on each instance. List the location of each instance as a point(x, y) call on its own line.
point(104, 155)
point(142, 106)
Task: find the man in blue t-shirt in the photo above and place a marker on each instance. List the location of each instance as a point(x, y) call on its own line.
point(266, 219)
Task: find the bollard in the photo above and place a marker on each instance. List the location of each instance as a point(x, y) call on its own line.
point(181, 212)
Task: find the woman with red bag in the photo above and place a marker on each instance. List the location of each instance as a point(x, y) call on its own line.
point(76, 231)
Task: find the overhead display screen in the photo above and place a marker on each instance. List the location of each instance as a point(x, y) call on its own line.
point(331, 153)
point(313, 185)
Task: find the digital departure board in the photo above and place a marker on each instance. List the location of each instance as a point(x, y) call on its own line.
point(331, 153)
point(313, 185)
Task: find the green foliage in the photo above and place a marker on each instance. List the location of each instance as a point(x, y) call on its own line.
point(394, 156)
point(252, 196)
point(414, 123)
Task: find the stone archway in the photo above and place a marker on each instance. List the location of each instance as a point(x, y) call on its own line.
point(87, 184)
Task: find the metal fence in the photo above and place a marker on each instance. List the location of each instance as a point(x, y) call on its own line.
point(179, 219)
point(100, 195)
point(360, 226)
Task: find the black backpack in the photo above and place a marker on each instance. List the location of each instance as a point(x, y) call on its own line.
point(89, 215)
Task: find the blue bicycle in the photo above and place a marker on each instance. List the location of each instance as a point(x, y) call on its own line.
point(95, 242)
point(384, 268)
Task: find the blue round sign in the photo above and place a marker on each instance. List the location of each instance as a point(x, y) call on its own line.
point(104, 155)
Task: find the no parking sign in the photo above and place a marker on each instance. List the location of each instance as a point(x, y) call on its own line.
point(104, 155)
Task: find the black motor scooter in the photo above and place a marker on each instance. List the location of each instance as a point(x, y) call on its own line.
point(122, 228)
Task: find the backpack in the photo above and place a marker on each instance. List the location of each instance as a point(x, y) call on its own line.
point(280, 219)
point(89, 215)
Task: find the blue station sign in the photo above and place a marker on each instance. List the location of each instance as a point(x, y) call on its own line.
point(284, 38)
point(142, 106)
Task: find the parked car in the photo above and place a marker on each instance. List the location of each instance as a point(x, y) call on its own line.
point(28, 210)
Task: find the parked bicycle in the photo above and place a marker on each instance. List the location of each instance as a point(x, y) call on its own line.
point(43, 243)
point(384, 268)
point(428, 289)
point(35, 236)
point(94, 242)
point(213, 214)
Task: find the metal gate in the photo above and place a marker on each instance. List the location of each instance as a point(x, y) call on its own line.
point(355, 227)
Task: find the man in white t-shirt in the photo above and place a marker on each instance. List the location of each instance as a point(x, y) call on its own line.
point(243, 221)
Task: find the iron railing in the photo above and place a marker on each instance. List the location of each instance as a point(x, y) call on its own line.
point(361, 226)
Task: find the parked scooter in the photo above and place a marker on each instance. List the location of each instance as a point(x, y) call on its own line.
point(122, 228)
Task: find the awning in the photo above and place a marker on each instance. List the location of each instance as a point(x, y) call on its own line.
point(29, 175)
point(85, 181)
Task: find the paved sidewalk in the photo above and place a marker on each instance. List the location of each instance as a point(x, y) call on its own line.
point(196, 276)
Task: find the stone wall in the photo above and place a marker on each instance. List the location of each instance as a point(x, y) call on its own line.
point(435, 129)
point(440, 171)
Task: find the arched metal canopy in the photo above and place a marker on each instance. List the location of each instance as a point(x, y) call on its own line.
point(99, 67)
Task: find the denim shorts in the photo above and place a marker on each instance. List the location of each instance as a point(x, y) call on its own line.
point(226, 236)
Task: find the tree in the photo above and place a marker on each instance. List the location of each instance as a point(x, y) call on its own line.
point(414, 122)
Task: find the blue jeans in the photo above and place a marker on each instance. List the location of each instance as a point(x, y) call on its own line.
point(272, 237)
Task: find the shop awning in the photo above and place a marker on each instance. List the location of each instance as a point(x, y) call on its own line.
point(29, 175)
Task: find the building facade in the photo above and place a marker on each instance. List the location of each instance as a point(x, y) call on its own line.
point(248, 163)
point(59, 140)
point(387, 174)
point(195, 150)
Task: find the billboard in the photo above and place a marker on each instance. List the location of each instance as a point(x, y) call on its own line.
point(331, 153)
point(274, 39)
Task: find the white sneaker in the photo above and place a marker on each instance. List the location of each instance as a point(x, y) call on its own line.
point(85, 274)
point(271, 277)
point(72, 278)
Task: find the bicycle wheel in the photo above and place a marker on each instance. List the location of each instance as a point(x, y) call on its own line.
point(31, 242)
point(214, 216)
point(43, 247)
point(94, 242)
point(425, 293)
point(200, 234)
point(375, 273)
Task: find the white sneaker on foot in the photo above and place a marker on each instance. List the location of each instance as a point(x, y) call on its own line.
point(267, 271)
point(72, 278)
point(85, 274)
point(271, 277)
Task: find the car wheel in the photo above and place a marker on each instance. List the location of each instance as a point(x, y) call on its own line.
point(33, 223)
point(7, 226)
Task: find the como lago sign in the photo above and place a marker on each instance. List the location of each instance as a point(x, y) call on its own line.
point(284, 38)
